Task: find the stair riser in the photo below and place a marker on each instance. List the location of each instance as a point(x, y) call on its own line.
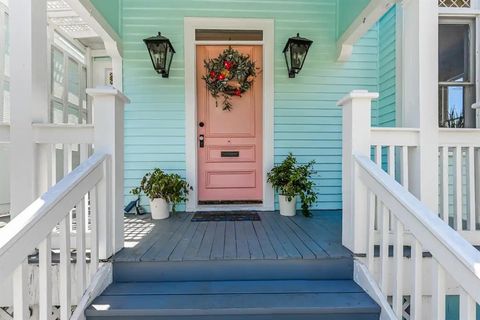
point(366, 316)
point(328, 269)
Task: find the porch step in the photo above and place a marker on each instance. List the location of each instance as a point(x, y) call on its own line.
point(234, 270)
point(235, 300)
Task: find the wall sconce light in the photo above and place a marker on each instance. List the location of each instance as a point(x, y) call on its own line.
point(161, 52)
point(295, 53)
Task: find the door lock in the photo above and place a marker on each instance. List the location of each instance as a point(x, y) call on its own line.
point(201, 139)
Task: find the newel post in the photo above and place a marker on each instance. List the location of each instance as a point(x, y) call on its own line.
point(108, 114)
point(357, 110)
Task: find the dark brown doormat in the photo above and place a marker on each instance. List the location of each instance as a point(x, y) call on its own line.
point(225, 216)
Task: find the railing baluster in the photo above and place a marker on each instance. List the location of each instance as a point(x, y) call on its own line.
point(458, 188)
point(471, 189)
point(467, 307)
point(371, 230)
point(416, 297)
point(445, 196)
point(45, 278)
point(65, 274)
point(438, 291)
point(93, 232)
point(398, 282)
point(20, 292)
point(80, 244)
point(405, 166)
point(378, 155)
point(384, 247)
point(391, 161)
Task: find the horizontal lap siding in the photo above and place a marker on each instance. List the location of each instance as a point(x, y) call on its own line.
point(307, 121)
point(387, 69)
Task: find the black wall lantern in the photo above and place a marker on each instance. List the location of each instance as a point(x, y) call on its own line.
point(161, 52)
point(295, 53)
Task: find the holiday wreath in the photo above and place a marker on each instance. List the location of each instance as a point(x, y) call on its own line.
point(230, 74)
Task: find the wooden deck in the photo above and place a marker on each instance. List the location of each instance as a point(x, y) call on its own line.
point(274, 237)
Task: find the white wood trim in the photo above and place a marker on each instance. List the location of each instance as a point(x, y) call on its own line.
point(364, 279)
point(267, 26)
point(101, 280)
point(4, 132)
point(395, 136)
point(63, 133)
point(2, 61)
point(364, 21)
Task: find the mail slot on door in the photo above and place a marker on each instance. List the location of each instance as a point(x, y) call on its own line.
point(230, 154)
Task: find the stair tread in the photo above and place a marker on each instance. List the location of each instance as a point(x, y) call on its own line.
point(233, 297)
point(232, 287)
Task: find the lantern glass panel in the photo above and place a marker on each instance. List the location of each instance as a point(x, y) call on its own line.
point(158, 52)
point(298, 52)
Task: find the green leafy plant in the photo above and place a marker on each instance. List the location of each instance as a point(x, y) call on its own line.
point(158, 184)
point(291, 179)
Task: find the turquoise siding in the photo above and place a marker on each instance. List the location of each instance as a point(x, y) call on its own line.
point(111, 11)
point(307, 120)
point(387, 69)
point(452, 308)
point(348, 10)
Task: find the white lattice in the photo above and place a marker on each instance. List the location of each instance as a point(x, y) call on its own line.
point(57, 5)
point(454, 3)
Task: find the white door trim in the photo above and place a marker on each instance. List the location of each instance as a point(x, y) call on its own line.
point(267, 26)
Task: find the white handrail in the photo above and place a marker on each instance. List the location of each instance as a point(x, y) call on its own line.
point(20, 236)
point(456, 255)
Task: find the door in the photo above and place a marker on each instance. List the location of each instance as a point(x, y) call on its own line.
point(230, 158)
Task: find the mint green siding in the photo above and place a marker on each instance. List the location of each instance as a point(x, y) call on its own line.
point(452, 308)
point(387, 69)
point(307, 120)
point(110, 10)
point(348, 10)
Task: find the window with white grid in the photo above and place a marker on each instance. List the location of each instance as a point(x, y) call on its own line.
point(454, 3)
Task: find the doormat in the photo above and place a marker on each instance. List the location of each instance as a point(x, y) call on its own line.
point(225, 216)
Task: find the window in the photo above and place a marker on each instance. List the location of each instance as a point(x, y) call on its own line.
point(68, 83)
point(456, 73)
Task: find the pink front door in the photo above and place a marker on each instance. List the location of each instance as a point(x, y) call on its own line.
point(230, 160)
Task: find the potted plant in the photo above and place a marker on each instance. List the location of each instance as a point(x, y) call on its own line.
point(292, 180)
point(163, 190)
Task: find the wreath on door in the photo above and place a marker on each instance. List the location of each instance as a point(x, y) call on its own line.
point(230, 74)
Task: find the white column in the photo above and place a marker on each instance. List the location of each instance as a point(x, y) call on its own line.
point(108, 111)
point(29, 95)
point(357, 110)
point(476, 107)
point(420, 95)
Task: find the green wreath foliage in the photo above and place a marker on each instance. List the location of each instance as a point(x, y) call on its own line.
point(230, 74)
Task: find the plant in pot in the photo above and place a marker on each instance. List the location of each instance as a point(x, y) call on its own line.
point(163, 190)
point(292, 180)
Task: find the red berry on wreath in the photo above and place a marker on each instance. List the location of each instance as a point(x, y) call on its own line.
point(221, 77)
point(213, 74)
point(227, 65)
point(237, 92)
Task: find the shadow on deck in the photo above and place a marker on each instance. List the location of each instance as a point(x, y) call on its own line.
point(273, 238)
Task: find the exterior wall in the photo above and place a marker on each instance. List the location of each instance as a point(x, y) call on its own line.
point(111, 11)
point(348, 10)
point(307, 121)
point(387, 69)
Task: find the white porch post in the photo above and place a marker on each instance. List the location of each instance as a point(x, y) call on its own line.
point(357, 110)
point(108, 110)
point(29, 95)
point(420, 95)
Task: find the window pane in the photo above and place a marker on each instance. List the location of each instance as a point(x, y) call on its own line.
point(73, 82)
point(58, 74)
point(6, 102)
point(452, 102)
point(454, 52)
point(73, 115)
point(57, 112)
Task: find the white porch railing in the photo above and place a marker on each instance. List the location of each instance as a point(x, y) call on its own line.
point(82, 213)
point(381, 212)
point(34, 226)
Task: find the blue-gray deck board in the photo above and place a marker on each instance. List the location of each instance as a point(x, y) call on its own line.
point(272, 238)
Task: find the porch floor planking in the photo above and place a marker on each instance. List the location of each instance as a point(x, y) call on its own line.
point(272, 238)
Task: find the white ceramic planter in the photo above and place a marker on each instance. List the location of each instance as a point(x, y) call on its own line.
point(160, 209)
point(287, 208)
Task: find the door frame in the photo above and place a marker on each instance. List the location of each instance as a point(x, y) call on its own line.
point(267, 26)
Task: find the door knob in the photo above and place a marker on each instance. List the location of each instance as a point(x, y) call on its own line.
point(201, 124)
point(201, 140)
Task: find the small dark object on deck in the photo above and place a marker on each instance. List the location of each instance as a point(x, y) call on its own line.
point(225, 216)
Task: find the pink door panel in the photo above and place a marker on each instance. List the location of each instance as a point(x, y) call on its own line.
point(230, 162)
